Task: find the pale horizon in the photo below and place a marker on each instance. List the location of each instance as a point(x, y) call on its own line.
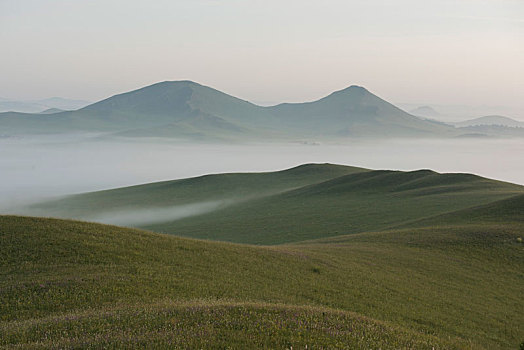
point(438, 52)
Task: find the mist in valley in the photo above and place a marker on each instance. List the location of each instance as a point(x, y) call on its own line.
point(141, 217)
point(47, 167)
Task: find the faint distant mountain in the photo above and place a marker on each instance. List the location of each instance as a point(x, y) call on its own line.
point(184, 109)
point(38, 106)
point(491, 131)
point(497, 120)
point(64, 103)
point(453, 112)
point(425, 111)
point(52, 111)
point(21, 106)
point(491, 126)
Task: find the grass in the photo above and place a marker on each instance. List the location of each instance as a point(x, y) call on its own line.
point(76, 284)
point(223, 325)
point(338, 257)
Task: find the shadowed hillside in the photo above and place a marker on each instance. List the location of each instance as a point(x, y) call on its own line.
point(510, 210)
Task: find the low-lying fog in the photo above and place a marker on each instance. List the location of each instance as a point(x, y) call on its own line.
point(39, 167)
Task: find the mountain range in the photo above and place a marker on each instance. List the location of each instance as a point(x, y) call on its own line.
point(185, 109)
point(190, 111)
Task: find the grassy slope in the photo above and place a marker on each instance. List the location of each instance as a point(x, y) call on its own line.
point(235, 186)
point(217, 325)
point(72, 283)
point(509, 210)
point(307, 202)
point(352, 203)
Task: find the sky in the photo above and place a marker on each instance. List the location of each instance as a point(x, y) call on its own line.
point(468, 52)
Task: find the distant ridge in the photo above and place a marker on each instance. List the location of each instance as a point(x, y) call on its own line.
point(491, 126)
point(52, 111)
point(39, 106)
point(185, 109)
point(490, 120)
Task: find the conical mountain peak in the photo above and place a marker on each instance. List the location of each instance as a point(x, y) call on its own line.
point(354, 89)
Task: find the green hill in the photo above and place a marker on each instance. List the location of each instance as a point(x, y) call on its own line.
point(307, 202)
point(74, 284)
point(187, 110)
point(222, 188)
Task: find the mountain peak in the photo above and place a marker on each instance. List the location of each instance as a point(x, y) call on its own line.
point(354, 88)
point(169, 83)
point(351, 92)
point(182, 82)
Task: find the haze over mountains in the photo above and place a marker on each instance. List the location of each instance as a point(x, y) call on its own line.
point(425, 111)
point(38, 106)
point(491, 120)
point(189, 110)
point(450, 113)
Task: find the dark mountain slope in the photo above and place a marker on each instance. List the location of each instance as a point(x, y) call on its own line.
point(509, 210)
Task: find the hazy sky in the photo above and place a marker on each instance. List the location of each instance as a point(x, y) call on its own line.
point(438, 51)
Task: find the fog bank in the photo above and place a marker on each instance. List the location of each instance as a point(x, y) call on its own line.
point(35, 168)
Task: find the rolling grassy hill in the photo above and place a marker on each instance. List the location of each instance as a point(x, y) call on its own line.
point(75, 284)
point(221, 189)
point(344, 257)
point(307, 202)
point(187, 110)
